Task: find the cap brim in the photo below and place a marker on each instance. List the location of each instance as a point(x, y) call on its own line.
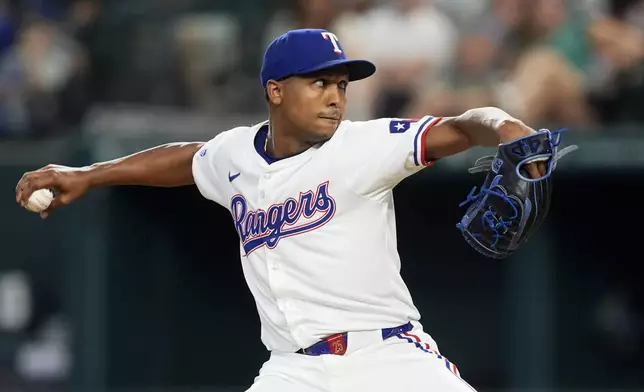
point(358, 69)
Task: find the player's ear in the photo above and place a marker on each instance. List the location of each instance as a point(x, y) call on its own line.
point(274, 92)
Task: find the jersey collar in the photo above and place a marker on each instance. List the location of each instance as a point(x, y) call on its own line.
point(260, 142)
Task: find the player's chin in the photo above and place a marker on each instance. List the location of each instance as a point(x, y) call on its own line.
point(326, 127)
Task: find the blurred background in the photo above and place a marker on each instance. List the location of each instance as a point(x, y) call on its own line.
point(140, 290)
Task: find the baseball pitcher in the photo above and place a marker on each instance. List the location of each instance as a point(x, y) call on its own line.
point(310, 195)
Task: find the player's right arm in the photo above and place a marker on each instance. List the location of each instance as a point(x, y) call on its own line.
point(168, 165)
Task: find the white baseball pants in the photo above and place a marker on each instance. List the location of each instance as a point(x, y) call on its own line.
point(408, 362)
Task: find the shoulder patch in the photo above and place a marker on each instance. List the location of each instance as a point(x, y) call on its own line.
point(400, 125)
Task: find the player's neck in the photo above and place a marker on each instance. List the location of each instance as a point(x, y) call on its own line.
point(280, 144)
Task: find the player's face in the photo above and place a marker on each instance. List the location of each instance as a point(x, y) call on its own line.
point(315, 104)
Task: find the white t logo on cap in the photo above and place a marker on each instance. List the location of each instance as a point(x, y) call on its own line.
point(334, 40)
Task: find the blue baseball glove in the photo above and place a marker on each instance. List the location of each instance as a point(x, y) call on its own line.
point(510, 205)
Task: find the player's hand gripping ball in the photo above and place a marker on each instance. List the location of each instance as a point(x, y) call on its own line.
point(40, 200)
point(510, 205)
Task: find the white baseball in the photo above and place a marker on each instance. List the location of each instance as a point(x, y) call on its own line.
point(40, 200)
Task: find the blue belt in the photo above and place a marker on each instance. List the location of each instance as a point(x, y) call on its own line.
point(337, 344)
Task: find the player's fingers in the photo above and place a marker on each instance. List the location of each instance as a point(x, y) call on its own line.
point(533, 170)
point(54, 204)
point(31, 184)
point(58, 201)
point(26, 186)
point(24, 181)
point(23, 187)
point(542, 168)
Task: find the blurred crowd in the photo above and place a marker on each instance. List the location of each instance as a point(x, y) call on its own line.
point(571, 62)
point(43, 66)
point(545, 61)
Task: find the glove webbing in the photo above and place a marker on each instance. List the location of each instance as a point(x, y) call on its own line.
point(484, 164)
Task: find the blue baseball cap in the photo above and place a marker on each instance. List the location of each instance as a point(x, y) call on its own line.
point(304, 51)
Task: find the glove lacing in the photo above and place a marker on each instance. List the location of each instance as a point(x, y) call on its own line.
point(490, 218)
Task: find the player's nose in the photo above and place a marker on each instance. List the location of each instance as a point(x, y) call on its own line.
point(334, 96)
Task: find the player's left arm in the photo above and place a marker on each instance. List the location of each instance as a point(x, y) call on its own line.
point(487, 127)
point(382, 152)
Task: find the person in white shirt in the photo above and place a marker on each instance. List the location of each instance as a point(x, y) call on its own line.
point(413, 42)
point(310, 195)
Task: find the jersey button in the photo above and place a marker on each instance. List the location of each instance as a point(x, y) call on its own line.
point(267, 175)
point(262, 194)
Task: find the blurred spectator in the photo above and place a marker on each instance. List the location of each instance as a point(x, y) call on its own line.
point(82, 25)
point(411, 41)
point(210, 52)
point(550, 80)
point(41, 82)
point(312, 14)
point(464, 12)
point(619, 41)
point(481, 62)
point(470, 83)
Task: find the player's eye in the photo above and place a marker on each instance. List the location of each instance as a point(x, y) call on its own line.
point(343, 85)
point(320, 83)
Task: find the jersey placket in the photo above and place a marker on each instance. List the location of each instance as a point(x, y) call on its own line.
point(277, 278)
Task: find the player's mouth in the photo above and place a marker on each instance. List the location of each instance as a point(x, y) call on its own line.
point(333, 117)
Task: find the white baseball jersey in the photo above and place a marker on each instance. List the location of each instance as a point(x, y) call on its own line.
point(317, 230)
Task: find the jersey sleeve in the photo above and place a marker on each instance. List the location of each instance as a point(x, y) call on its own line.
point(378, 154)
point(206, 170)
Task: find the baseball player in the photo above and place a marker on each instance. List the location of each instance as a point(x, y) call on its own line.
point(310, 195)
